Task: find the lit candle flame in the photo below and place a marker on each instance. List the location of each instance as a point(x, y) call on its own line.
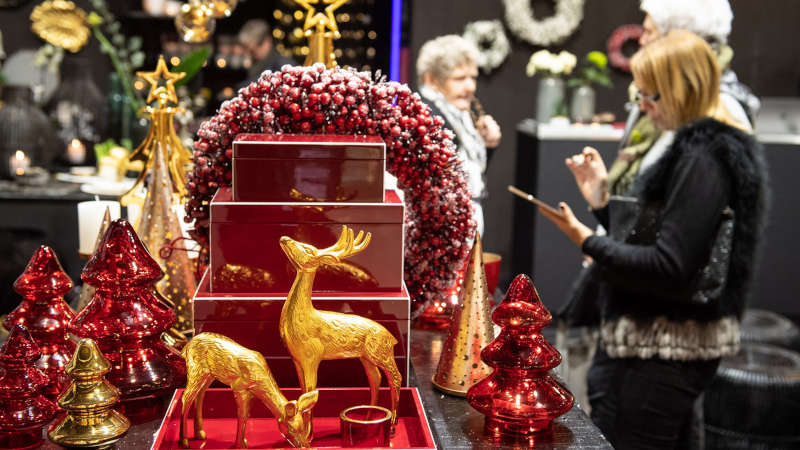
point(19, 155)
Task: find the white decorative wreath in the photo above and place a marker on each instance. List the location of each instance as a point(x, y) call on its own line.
point(492, 43)
point(552, 30)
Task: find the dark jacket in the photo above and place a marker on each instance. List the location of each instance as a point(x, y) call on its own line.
point(709, 166)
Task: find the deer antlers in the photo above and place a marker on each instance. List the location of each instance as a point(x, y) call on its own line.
point(347, 245)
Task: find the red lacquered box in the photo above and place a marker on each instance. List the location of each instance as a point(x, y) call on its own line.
point(252, 320)
point(245, 244)
point(219, 420)
point(294, 168)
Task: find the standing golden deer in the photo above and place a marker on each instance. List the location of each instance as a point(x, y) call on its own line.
point(313, 336)
point(212, 356)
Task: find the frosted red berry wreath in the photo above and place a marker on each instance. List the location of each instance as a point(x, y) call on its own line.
point(619, 37)
point(419, 152)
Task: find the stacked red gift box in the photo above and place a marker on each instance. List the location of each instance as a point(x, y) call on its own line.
point(305, 187)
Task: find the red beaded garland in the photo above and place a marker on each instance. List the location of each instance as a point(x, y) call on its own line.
point(419, 152)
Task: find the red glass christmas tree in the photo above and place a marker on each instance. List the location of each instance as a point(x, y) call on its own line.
point(24, 411)
point(125, 319)
point(520, 397)
point(46, 315)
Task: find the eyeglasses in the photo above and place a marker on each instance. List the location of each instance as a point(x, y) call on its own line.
point(650, 98)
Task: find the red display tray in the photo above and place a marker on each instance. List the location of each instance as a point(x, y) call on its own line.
point(245, 247)
point(292, 168)
point(219, 414)
point(252, 320)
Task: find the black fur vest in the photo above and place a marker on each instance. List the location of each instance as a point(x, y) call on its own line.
point(698, 332)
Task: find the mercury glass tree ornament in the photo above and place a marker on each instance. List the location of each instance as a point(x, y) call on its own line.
point(125, 317)
point(160, 230)
point(24, 410)
point(90, 420)
point(519, 397)
point(460, 366)
point(46, 315)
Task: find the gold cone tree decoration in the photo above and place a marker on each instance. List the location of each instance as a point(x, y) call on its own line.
point(471, 329)
point(162, 133)
point(87, 290)
point(160, 231)
point(321, 29)
point(90, 420)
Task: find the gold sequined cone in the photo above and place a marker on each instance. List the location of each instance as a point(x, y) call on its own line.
point(89, 421)
point(471, 329)
point(159, 225)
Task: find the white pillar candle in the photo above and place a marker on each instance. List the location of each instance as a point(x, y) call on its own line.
point(134, 209)
point(90, 218)
point(19, 163)
point(76, 152)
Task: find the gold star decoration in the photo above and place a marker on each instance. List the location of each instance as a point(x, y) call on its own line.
point(319, 20)
point(161, 93)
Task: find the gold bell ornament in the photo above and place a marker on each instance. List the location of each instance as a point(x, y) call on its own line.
point(90, 420)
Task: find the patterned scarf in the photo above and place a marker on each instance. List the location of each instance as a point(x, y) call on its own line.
point(471, 149)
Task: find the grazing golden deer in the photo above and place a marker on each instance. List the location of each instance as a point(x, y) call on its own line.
point(212, 356)
point(313, 336)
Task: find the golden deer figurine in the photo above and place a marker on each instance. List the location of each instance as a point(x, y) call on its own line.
point(313, 336)
point(212, 356)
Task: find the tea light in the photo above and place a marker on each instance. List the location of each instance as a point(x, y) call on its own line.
point(76, 152)
point(19, 163)
point(90, 217)
point(365, 426)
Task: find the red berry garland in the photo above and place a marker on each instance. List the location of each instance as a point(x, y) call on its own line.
point(419, 152)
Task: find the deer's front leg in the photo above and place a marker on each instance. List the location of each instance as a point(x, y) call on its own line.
point(242, 414)
point(308, 382)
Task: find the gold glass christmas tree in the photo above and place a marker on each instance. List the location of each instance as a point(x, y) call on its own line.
point(167, 162)
point(162, 132)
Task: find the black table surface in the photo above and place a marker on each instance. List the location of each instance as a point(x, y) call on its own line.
point(456, 425)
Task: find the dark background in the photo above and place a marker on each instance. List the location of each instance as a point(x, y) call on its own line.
point(765, 59)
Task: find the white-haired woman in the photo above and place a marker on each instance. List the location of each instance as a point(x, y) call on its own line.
point(447, 71)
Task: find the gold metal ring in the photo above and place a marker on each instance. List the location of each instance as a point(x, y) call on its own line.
point(386, 412)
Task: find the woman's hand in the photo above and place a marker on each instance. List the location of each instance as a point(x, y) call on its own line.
point(489, 131)
point(591, 176)
point(576, 231)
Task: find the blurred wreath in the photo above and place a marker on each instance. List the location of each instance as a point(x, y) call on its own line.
point(491, 41)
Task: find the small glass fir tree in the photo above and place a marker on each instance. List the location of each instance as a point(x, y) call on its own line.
point(520, 397)
point(46, 315)
point(24, 410)
point(125, 319)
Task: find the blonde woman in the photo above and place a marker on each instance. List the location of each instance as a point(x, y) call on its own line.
point(678, 259)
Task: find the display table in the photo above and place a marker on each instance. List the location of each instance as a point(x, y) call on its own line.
point(456, 425)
